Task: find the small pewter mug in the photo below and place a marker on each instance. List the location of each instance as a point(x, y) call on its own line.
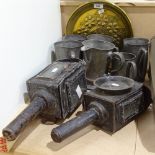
point(129, 68)
point(100, 37)
point(98, 56)
point(67, 49)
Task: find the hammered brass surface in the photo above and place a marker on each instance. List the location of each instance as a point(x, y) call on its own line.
point(100, 17)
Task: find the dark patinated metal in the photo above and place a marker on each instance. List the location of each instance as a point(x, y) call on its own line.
point(142, 62)
point(98, 56)
point(107, 111)
point(67, 49)
point(129, 68)
point(134, 44)
point(114, 84)
point(139, 47)
point(54, 93)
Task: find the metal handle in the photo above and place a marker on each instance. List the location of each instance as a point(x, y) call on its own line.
point(12, 130)
point(142, 60)
point(65, 130)
point(108, 67)
point(85, 57)
point(116, 49)
point(122, 60)
point(132, 65)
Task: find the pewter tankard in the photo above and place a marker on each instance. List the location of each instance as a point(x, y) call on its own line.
point(129, 68)
point(67, 49)
point(98, 56)
point(138, 46)
point(133, 45)
point(63, 47)
point(75, 37)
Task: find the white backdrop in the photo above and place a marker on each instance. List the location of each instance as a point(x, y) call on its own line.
point(27, 30)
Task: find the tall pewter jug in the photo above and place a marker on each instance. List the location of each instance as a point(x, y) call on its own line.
point(98, 56)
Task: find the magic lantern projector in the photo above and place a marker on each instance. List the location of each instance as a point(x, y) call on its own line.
point(114, 102)
point(54, 93)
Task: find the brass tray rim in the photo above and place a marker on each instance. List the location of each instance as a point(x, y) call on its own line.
point(108, 3)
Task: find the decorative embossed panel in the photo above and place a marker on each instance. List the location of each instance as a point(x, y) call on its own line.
point(100, 17)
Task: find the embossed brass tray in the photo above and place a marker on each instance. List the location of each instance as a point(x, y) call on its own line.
point(100, 17)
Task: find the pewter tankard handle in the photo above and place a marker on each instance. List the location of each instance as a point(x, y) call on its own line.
point(84, 49)
point(110, 59)
point(131, 65)
point(116, 49)
point(142, 60)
